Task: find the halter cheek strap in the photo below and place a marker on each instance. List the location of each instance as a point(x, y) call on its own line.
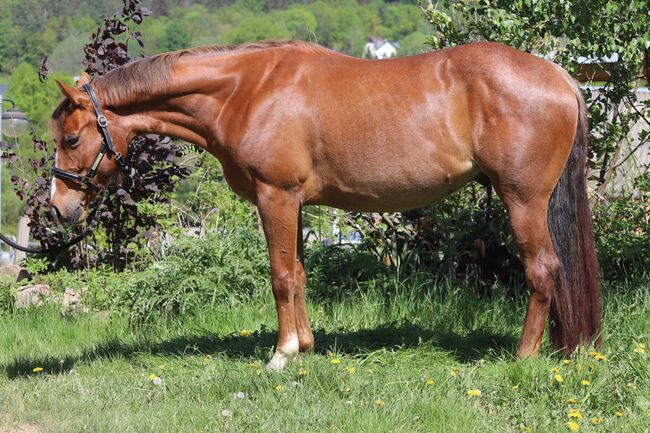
point(85, 181)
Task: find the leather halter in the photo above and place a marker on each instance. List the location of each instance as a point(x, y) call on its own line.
point(85, 181)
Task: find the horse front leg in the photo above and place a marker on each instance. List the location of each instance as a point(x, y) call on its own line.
point(278, 209)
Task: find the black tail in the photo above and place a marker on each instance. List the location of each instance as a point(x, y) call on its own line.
point(575, 308)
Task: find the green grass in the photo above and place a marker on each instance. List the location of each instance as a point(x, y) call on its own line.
point(417, 351)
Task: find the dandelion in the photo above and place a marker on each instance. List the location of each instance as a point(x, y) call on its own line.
point(571, 401)
point(155, 379)
point(474, 392)
point(161, 367)
point(454, 371)
point(330, 354)
point(573, 413)
point(585, 383)
point(379, 402)
point(352, 370)
point(515, 387)
point(596, 420)
point(558, 378)
point(631, 386)
point(573, 426)
point(254, 365)
point(640, 348)
point(302, 372)
point(279, 388)
point(566, 361)
point(429, 382)
point(207, 359)
point(619, 413)
point(370, 371)
point(244, 333)
point(37, 370)
point(578, 368)
point(335, 361)
point(555, 370)
point(598, 356)
point(525, 429)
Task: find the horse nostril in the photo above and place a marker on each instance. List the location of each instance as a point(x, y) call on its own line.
point(56, 213)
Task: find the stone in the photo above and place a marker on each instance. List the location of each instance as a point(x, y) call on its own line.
point(32, 294)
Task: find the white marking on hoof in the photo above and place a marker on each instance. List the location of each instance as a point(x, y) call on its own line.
point(283, 356)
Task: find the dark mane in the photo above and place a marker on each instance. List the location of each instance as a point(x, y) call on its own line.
point(149, 75)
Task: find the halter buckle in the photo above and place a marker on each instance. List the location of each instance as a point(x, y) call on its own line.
point(102, 121)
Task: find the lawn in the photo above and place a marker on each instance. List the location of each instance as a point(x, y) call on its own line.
point(427, 358)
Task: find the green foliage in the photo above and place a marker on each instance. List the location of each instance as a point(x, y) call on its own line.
point(175, 37)
point(34, 98)
point(228, 267)
point(622, 236)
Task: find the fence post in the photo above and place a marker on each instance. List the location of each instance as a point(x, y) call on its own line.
point(22, 238)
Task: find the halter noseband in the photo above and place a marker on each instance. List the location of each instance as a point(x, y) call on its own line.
point(85, 181)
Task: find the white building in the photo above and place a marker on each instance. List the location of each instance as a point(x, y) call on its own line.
point(378, 48)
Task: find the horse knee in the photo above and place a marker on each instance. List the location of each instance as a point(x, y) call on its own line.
point(284, 284)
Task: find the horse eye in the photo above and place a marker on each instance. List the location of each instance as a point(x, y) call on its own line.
point(71, 140)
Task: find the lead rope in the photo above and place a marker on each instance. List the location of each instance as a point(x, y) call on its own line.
point(55, 248)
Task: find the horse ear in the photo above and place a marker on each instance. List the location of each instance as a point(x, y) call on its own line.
point(77, 96)
point(83, 79)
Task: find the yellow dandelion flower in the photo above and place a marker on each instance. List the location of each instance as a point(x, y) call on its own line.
point(571, 401)
point(352, 370)
point(335, 361)
point(573, 413)
point(619, 413)
point(454, 371)
point(207, 359)
point(161, 367)
point(558, 378)
point(279, 388)
point(37, 370)
point(578, 368)
point(515, 387)
point(566, 362)
point(573, 426)
point(598, 356)
point(641, 345)
point(244, 333)
point(596, 420)
point(330, 354)
point(585, 383)
point(593, 353)
point(152, 377)
point(370, 371)
point(429, 382)
point(379, 402)
point(631, 386)
point(474, 392)
point(555, 370)
point(639, 349)
point(526, 429)
point(303, 372)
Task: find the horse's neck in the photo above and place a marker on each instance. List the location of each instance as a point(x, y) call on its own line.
point(188, 106)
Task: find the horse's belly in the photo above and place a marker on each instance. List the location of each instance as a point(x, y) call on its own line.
point(389, 190)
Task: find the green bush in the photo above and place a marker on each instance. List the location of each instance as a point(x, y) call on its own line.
point(622, 237)
point(223, 267)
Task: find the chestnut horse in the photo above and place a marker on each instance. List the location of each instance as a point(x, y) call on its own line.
point(296, 124)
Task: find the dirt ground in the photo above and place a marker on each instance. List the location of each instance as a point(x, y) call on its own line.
point(8, 426)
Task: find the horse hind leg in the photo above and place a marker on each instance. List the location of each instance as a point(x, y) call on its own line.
point(532, 237)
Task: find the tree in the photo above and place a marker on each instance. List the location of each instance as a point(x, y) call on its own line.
point(175, 37)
